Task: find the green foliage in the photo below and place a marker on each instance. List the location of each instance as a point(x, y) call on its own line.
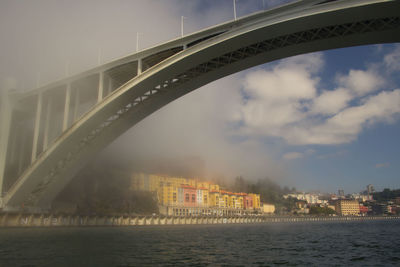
point(386, 195)
point(315, 210)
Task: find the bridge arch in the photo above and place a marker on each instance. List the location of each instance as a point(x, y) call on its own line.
point(178, 68)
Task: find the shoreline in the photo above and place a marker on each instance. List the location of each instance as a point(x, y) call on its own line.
point(48, 220)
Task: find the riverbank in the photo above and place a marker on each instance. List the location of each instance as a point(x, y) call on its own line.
point(41, 220)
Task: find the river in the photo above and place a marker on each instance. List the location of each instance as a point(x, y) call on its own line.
point(366, 243)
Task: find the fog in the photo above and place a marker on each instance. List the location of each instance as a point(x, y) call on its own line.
point(45, 41)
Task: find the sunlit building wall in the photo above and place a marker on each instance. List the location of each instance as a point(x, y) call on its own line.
point(248, 202)
point(239, 204)
point(232, 200)
point(347, 207)
point(268, 208)
point(181, 197)
point(189, 193)
point(199, 199)
point(256, 200)
point(214, 187)
point(214, 198)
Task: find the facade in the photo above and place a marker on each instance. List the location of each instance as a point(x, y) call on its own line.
point(268, 208)
point(248, 202)
point(346, 207)
point(256, 201)
point(308, 197)
point(189, 193)
point(181, 196)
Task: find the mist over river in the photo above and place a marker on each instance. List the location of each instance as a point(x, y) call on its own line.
point(366, 243)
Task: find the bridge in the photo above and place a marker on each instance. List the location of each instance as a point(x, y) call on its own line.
point(49, 133)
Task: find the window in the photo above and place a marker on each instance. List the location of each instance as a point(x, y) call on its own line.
point(193, 198)
point(187, 197)
point(174, 197)
point(205, 199)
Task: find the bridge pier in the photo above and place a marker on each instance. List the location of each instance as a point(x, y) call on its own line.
point(66, 106)
point(5, 118)
point(36, 129)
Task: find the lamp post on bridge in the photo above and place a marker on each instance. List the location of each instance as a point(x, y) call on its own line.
point(234, 9)
point(182, 18)
point(137, 41)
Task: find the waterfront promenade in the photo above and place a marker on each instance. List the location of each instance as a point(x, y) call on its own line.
point(48, 220)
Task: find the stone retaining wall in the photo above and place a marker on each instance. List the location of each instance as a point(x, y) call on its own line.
point(49, 220)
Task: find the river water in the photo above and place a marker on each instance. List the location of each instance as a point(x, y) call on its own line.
point(367, 243)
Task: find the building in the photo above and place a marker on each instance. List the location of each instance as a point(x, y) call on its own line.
point(248, 202)
point(190, 197)
point(189, 193)
point(214, 198)
point(363, 210)
point(268, 208)
point(256, 201)
point(346, 207)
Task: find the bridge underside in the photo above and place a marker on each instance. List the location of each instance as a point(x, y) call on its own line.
point(125, 94)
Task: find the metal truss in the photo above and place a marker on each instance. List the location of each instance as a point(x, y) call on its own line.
point(301, 37)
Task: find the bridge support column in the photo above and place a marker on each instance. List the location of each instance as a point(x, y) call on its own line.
point(66, 106)
point(5, 118)
point(76, 103)
point(139, 66)
point(100, 88)
point(37, 127)
point(47, 123)
point(21, 151)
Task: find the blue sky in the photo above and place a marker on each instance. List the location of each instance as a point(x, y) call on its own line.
point(313, 140)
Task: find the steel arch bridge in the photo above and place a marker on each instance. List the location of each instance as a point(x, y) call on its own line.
point(64, 124)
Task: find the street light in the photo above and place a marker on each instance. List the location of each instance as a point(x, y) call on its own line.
point(137, 41)
point(182, 18)
point(234, 9)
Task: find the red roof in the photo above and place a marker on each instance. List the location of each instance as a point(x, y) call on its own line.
point(187, 186)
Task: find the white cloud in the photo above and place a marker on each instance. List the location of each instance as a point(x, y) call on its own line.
point(285, 102)
point(331, 102)
point(361, 82)
point(392, 60)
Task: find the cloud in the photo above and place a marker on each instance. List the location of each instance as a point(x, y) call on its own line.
point(331, 102)
point(382, 165)
point(285, 101)
point(293, 155)
point(392, 60)
point(361, 82)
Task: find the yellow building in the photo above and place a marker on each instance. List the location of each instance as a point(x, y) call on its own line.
point(239, 203)
point(170, 192)
point(224, 199)
point(268, 208)
point(206, 198)
point(347, 207)
point(232, 200)
point(256, 200)
point(214, 187)
point(203, 185)
point(168, 195)
point(138, 181)
point(214, 198)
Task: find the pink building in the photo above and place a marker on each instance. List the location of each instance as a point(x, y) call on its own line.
point(189, 196)
point(248, 202)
